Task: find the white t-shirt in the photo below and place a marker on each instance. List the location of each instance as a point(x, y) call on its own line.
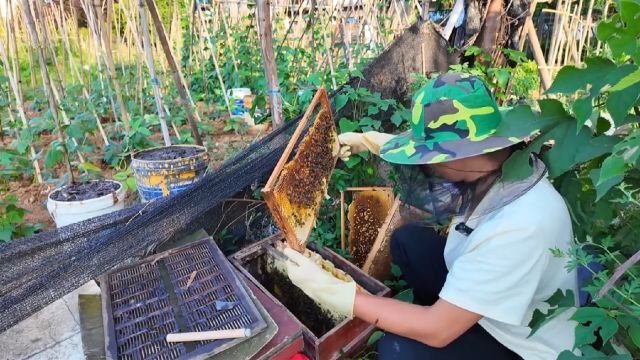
point(504, 270)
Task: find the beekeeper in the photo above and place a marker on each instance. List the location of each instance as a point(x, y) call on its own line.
point(476, 286)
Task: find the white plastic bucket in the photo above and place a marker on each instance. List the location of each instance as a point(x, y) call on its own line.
point(238, 95)
point(69, 212)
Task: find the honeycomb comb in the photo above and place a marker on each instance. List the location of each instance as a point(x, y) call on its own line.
point(367, 214)
point(296, 188)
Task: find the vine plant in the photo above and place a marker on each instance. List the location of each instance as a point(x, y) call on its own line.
point(591, 116)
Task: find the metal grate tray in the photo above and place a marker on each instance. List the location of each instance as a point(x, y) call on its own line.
point(175, 291)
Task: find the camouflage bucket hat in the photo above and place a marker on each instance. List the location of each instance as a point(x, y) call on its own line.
point(453, 117)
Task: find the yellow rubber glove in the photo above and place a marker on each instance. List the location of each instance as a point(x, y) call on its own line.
point(333, 294)
point(353, 143)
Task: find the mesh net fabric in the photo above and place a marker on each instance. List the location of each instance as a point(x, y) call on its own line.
point(37, 270)
point(433, 200)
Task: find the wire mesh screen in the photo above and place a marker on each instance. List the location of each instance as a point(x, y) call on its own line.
point(192, 288)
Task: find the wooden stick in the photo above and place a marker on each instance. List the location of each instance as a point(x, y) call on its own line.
point(266, 45)
point(209, 335)
point(369, 188)
point(74, 68)
point(342, 237)
point(152, 72)
point(175, 71)
point(108, 55)
point(229, 37)
point(20, 106)
point(53, 106)
point(212, 46)
point(537, 54)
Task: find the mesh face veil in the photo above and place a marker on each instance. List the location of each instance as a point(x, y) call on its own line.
point(430, 199)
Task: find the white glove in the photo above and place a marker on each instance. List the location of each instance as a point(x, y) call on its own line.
point(335, 295)
point(353, 143)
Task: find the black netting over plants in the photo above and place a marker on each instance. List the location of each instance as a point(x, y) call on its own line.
point(37, 270)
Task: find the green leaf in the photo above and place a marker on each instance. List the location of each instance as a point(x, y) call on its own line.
point(626, 81)
point(347, 125)
point(559, 302)
point(395, 270)
point(5, 232)
point(603, 188)
point(131, 184)
point(563, 157)
point(375, 337)
point(612, 167)
point(598, 320)
point(89, 167)
point(406, 296)
point(522, 121)
point(341, 101)
point(353, 161)
point(52, 157)
point(620, 102)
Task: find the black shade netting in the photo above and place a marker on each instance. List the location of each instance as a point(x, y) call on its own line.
point(37, 270)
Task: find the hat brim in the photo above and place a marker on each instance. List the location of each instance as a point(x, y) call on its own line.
point(405, 150)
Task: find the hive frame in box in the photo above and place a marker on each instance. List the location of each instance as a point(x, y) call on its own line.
point(320, 98)
point(345, 337)
point(378, 260)
point(147, 280)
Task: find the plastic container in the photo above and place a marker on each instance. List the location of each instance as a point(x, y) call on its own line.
point(158, 178)
point(238, 96)
point(69, 212)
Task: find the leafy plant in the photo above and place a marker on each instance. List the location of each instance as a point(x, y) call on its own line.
point(593, 122)
point(127, 179)
point(11, 218)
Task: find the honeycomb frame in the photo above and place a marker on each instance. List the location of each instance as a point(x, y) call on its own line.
point(297, 217)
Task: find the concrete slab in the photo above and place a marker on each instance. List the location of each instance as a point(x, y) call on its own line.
point(70, 349)
point(46, 328)
point(71, 299)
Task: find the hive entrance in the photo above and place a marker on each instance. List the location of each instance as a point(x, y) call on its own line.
point(297, 186)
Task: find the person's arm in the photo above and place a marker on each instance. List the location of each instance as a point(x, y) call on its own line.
point(436, 325)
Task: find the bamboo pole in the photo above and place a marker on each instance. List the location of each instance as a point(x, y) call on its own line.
point(537, 54)
point(31, 26)
point(213, 56)
point(74, 68)
point(229, 38)
point(175, 71)
point(20, 106)
point(586, 28)
point(37, 12)
point(266, 45)
point(152, 72)
point(13, 46)
point(108, 56)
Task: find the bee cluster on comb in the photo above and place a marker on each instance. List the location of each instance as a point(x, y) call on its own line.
point(367, 214)
point(296, 187)
point(303, 181)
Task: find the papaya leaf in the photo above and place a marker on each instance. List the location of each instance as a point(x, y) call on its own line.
point(603, 188)
point(592, 320)
point(559, 302)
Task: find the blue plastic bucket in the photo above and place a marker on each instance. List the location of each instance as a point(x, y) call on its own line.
point(164, 177)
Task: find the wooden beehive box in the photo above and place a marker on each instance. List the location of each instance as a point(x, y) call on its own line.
point(335, 341)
